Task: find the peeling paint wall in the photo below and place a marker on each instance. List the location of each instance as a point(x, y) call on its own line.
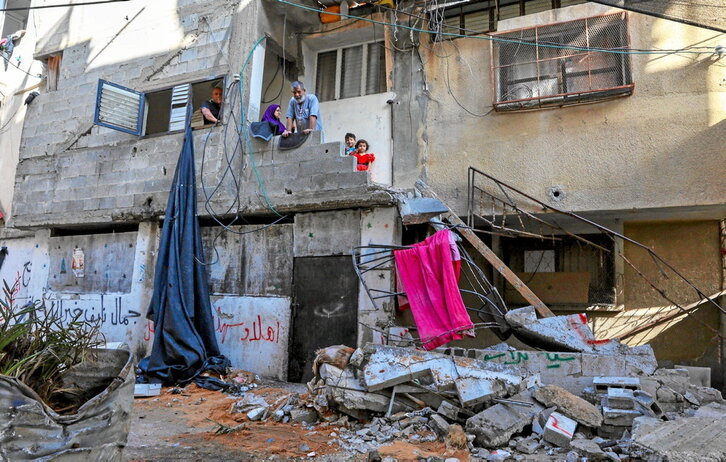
point(659, 147)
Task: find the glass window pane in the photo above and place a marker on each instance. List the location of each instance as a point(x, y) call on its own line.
point(376, 76)
point(352, 71)
point(325, 79)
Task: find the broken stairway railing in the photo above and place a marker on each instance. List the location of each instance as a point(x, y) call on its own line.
point(507, 211)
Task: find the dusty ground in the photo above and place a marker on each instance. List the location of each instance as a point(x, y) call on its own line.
point(181, 427)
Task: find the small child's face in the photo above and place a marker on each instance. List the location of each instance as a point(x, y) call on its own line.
point(362, 147)
point(350, 142)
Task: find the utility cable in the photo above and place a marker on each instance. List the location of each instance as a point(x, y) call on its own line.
point(39, 7)
point(492, 38)
point(37, 76)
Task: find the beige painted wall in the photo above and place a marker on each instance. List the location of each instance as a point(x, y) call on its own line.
point(693, 248)
point(660, 147)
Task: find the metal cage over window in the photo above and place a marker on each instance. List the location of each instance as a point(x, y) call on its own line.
point(572, 62)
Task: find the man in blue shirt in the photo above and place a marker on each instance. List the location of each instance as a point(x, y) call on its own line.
point(304, 109)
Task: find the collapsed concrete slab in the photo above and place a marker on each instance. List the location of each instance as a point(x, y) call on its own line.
point(688, 439)
point(569, 405)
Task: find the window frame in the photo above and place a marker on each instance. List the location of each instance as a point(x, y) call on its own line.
point(561, 98)
point(339, 69)
point(144, 106)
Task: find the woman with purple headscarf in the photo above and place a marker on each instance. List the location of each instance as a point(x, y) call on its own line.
point(272, 115)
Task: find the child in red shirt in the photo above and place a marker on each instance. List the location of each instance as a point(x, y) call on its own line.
point(364, 158)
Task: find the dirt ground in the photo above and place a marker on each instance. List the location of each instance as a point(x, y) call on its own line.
point(182, 427)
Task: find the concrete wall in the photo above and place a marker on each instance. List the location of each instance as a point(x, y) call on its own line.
point(659, 147)
point(13, 109)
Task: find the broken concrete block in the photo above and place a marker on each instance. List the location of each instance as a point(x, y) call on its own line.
point(388, 366)
point(695, 438)
point(449, 411)
point(495, 425)
point(337, 377)
point(256, 413)
point(305, 415)
point(706, 395)
point(589, 449)
point(699, 376)
point(644, 424)
point(621, 398)
point(439, 425)
point(647, 403)
point(559, 430)
point(528, 445)
point(601, 384)
point(712, 410)
point(620, 417)
point(639, 360)
point(569, 405)
point(521, 317)
point(612, 432)
point(455, 437)
point(417, 210)
point(603, 365)
point(475, 386)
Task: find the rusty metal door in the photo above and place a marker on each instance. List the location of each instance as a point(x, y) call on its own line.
point(326, 310)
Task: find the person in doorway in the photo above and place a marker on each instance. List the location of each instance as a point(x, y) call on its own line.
point(211, 108)
point(303, 109)
point(349, 143)
point(363, 156)
point(272, 116)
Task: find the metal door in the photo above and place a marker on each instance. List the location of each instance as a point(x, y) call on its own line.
point(326, 310)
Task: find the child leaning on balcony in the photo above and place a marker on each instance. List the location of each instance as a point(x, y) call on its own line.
point(364, 158)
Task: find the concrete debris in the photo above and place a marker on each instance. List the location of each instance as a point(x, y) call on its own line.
point(569, 405)
point(503, 404)
point(687, 439)
point(559, 430)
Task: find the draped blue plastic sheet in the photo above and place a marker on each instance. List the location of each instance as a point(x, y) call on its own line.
point(184, 341)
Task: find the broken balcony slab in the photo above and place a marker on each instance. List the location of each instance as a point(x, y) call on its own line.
point(556, 333)
point(417, 210)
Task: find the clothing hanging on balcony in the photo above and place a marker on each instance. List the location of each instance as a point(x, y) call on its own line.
point(429, 273)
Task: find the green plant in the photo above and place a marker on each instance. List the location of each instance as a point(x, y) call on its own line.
point(37, 347)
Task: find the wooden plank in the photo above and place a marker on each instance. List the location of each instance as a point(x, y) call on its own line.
point(489, 255)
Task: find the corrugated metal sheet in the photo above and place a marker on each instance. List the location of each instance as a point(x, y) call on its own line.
point(30, 430)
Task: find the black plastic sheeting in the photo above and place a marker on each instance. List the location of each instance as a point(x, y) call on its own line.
point(184, 345)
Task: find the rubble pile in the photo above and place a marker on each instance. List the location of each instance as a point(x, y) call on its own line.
point(597, 400)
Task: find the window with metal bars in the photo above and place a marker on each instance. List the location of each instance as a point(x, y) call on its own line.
point(350, 71)
point(478, 17)
point(562, 64)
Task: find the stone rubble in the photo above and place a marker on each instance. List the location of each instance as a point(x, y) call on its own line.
point(499, 407)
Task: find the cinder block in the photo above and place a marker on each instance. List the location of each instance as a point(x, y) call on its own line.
point(619, 417)
point(559, 430)
point(620, 398)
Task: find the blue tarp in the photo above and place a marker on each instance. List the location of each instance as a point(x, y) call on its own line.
point(184, 341)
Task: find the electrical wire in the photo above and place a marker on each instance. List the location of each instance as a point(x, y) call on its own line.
point(39, 7)
point(492, 38)
point(37, 76)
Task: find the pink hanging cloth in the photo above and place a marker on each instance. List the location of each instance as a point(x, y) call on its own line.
point(429, 275)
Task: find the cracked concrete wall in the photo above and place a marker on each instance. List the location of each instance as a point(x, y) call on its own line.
point(660, 147)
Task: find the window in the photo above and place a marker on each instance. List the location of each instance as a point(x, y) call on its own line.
point(150, 113)
point(557, 69)
point(351, 71)
point(564, 271)
point(52, 71)
point(478, 17)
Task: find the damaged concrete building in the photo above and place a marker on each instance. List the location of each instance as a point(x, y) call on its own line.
point(521, 91)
